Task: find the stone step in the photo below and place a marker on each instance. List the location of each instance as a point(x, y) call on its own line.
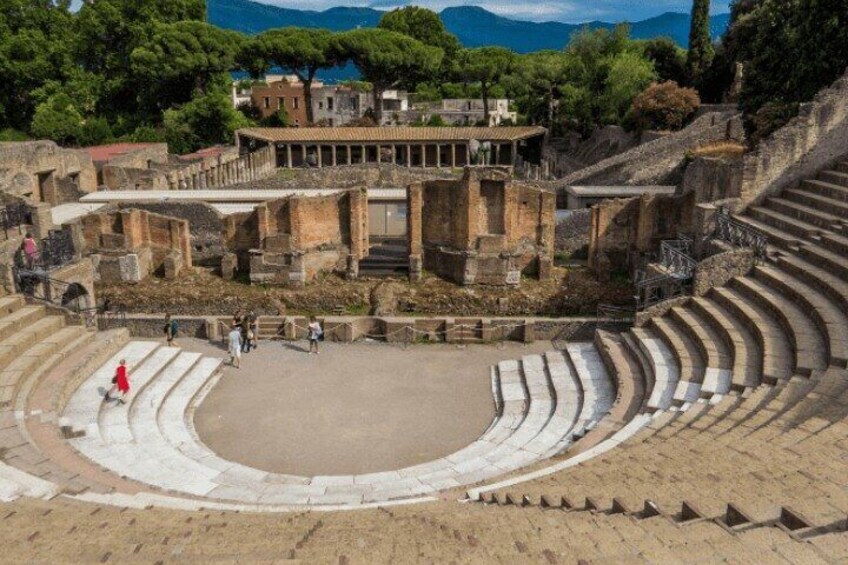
point(775, 236)
point(20, 318)
point(835, 243)
point(665, 367)
point(688, 358)
point(808, 344)
point(830, 183)
point(835, 287)
point(747, 357)
point(10, 303)
point(24, 338)
point(598, 389)
point(777, 356)
point(717, 356)
point(830, 319)
point(783, 222)
point(645, 366)
point(824, 258)
point(817, 201)
point(83, 408)
point(569, 399)
point(812, 216)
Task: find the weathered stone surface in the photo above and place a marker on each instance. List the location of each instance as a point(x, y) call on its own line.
point(719, 269)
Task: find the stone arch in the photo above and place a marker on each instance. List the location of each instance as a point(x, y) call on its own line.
point(76, 297)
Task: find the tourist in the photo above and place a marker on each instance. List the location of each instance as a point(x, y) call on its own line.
point(315, 335)
point(253, 330)
point(30, 248)
point(245, 333)
point(171, 329)
point(235, 347)
point(120, 383)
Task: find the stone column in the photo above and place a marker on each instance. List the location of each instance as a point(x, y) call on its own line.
point(335, 162)
point(289, 157)
point(364, 158)
point(379, 154)
point(497, 153)
point(319, 150)
point(408, 156)
point(303, 154)
point(514, 153)
point(394, 154)
point(423, 156)
point(438, 156)
point(414, 204)
point(453, 155)
point(349, 156)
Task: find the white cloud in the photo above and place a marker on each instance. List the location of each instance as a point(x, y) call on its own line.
point(572, 11)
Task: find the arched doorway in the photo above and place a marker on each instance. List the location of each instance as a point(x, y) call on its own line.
point(76, 298)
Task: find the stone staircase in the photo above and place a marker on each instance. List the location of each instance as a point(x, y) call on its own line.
point(747, 398)
point(543, 403)
point(387, 257)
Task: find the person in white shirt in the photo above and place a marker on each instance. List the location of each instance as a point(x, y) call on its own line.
point(235, 347)
point(315, 333)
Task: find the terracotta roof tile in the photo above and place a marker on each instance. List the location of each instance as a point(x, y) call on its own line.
point(391, 134)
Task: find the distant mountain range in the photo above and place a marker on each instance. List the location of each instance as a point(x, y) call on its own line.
point(473, 26)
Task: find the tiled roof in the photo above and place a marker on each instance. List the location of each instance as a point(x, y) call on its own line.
point(391, 134)
point(104, 153)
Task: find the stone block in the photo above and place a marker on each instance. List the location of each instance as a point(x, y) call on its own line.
point(491, 243)
point(229, 265)
point(173, 265)
point(279, 243)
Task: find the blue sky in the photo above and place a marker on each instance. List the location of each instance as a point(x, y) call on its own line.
point(571, 11)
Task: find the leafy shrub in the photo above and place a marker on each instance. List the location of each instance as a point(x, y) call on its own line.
point(664, 106)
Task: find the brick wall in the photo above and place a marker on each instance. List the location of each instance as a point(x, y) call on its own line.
point(32, 169)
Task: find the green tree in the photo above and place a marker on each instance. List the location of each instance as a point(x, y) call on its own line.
point(385, 58)
point(663, 106)
point(301, 51)
point(58, 119)
point(181, 60)
point(629, 74)
point(34, 49)
point(701, 49)
point(206, 120)
point(669, 59)
point(486, 66)
point(427, 27)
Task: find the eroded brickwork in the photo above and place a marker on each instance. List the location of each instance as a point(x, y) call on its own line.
point(41, 171)
point(292, 240)
point(129, 245)
point(483, 229)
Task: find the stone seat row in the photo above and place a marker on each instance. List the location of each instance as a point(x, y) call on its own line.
point(545, 402)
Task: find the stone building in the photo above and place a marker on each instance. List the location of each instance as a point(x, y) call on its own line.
point(464, 112)
point(281, 94)
point(41, 171)
point(150, 167)
point(130, 245)
point(483, 229)
point(291, 240)
point(407, 146)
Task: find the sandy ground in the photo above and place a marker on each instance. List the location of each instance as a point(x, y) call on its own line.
point(355, 408)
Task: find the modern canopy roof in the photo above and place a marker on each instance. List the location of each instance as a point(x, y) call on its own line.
point(391, 134)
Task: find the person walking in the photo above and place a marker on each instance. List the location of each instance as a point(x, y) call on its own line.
point(120, 383)
point(315, 334)
point(171, 329)
point(234, 338)
point(245, 333)
point(253, 328)
point(30, 248)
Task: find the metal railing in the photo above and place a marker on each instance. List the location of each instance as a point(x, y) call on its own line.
point(676, 257)
point(14, 215)
point(659, 289)
point(737, 234)
point(54, 251)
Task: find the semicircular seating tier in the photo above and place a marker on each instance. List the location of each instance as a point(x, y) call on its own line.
point(739, 395)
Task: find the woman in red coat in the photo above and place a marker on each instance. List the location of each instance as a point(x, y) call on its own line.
point(121, 382)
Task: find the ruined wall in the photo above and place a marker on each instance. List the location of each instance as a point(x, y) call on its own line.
point(659, 162)
point(206, 226)
point(141, 157)
point(484, 229)
point(713, 178)
point(625, 231)
point(292, 240)
point(32, 169)
point(369, 176)
point(130, 244)
point(719, 269)
point(816, 138)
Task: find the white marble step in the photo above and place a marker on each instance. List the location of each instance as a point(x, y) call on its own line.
point(717, 381)
point(598, 390)
point(666, 370)
point(569, 400)
point(83, 408)
point(114, 416)
point(15, 483)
